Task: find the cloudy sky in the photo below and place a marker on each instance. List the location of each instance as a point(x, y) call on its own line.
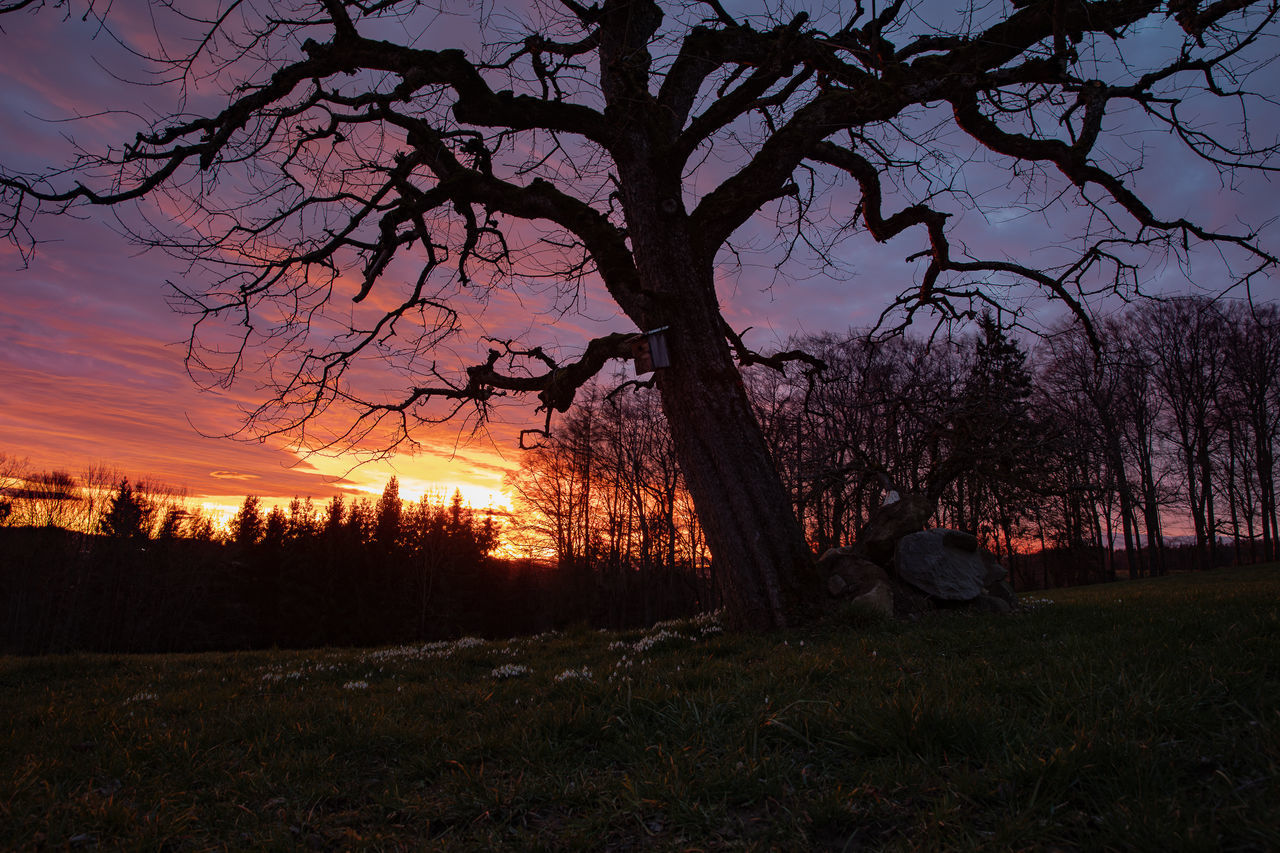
point(91, 361)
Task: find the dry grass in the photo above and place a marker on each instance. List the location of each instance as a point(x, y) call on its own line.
point(1141, 715)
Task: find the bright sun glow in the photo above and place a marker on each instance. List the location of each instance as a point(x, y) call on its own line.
point(477, 474)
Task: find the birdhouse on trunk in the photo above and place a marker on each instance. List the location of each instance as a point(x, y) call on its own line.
point(650, 350)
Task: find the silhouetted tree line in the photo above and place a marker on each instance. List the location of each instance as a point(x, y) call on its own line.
point(1070, 459)
point(132, 569)
point(604, 498)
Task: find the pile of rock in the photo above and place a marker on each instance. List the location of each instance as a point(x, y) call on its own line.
point(897, 568)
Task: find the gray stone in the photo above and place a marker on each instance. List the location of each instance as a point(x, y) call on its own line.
point(834, 554)
point(991, 604)
point(1001, 589)
point(848, 574)
point(951, 574)
point(908, 602)
point(879, 599)
point(878, 537)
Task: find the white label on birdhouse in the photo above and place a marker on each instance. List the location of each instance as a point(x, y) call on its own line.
point(650, 351)
point(658, 347)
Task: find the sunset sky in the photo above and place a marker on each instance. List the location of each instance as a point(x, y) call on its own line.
point(91, 355)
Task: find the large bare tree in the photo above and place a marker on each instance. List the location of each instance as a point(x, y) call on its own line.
point(626, 146)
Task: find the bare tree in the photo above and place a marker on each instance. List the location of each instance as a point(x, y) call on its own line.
point(48, 499)
point(1185, 339)
point(13, 473)
point(551, 491)
point(99, 487)
point(605, 494)
point(622, 146)
point(1253, 370)
point(1090, 381)
point(1139, 413)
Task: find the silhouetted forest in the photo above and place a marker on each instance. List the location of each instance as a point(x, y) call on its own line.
point(1145, 449)
point(1143, 446)
point(151, 577)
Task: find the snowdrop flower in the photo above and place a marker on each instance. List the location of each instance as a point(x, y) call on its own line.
point(650, 640)
point(509, 670)
point(583, 673)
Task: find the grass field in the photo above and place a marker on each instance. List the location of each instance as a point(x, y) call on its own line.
point(1139, 715)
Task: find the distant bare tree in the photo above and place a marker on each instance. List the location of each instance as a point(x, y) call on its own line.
point(49, 499)
point(13, 473)
point(1139, 411)
point(99, 484)
point(1091, 380)
point(1252, 361)
point(1185, 338)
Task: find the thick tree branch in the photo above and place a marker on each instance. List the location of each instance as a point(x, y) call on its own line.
point(555, 387)
point(778, 361)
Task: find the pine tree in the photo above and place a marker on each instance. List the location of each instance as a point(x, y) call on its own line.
point(993, 434)
point(129, 516)
point(388, 515)
point(247, 523)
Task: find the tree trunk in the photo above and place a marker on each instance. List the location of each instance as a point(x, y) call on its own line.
point(1206, 478)
point(1151, 510)
point(762, 561)
point(1116, 458)
point(1266, 486)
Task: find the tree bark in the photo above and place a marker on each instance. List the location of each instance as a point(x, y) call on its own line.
point(763, 564)
point(1266, 481)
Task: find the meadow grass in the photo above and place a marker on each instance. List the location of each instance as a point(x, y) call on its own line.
point(1136, 715)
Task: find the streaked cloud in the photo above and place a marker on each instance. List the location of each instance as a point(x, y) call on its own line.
point(233, 475)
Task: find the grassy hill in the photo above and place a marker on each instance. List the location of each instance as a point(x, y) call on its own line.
point(1138, 715)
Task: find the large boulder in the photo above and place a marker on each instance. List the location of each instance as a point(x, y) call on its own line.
point(878, 600)
point(944, 564)
point(877, 538)
point(991, 604)
point(908, 602)
point(849, 576)
point(1001, 590)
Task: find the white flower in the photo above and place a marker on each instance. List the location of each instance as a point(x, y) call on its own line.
point(583, 673)
point(509, 670)
point(710, 619)
point(355, 685)
point(650, 640)
point(141, 696)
